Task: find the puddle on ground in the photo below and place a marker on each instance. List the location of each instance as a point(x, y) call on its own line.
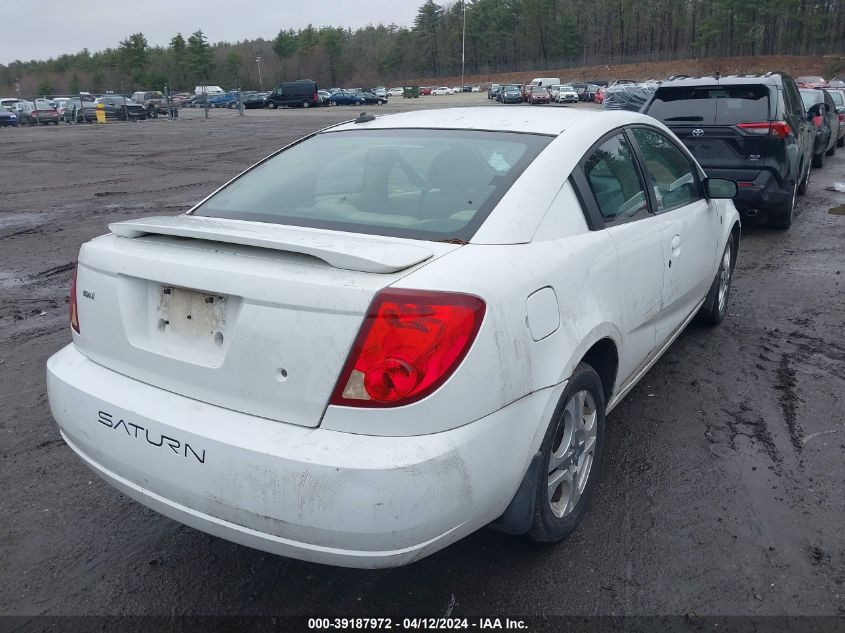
point(837, 186)
point(840, 210)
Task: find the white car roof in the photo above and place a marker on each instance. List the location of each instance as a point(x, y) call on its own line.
point(531, 120)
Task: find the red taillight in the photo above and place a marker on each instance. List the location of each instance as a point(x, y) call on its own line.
point(316, 97)
point(817, 121)
point(776, 129)
point(841, 117)
point(410, 343)
point(74, 313)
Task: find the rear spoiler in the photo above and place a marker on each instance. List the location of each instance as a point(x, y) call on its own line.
point(347, 251)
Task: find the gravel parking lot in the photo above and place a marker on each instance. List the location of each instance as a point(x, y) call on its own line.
point(722, 491)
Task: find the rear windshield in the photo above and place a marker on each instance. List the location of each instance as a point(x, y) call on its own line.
point(811, 98)
point(711, 105)
point(422, 184)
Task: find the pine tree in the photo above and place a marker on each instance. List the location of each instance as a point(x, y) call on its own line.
point(200, 59)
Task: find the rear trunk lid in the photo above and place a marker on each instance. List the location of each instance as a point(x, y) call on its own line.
point(258, 319)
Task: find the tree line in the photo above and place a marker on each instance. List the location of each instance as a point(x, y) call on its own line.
point(500, 36)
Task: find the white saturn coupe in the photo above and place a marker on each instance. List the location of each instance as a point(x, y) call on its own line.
point(360, 360)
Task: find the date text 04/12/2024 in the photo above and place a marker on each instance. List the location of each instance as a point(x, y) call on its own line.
point(408, 624)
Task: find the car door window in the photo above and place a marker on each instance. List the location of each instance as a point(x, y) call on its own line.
point(612, 174)
point(673, 176)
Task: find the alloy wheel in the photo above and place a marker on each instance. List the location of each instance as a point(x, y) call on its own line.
point(572, 451)
point(724, 279)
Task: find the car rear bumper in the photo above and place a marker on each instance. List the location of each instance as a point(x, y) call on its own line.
point(312, 494)
point(759, 189)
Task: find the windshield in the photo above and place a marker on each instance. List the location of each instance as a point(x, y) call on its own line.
point(422, 184)
point(538, 89)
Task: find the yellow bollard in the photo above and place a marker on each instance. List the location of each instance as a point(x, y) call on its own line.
point(101, 113)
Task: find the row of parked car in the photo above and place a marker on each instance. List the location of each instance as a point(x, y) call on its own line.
point(540, 87)
point(80, 109)
point(141, 105)
point(305, 93)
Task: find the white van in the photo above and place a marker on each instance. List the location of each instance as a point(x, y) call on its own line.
point(546, 82)
point(208, 90)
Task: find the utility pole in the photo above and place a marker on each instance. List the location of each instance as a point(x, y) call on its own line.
point(463, 42)
point(260, 81)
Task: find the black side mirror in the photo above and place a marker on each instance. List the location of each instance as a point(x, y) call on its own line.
point(720, 188)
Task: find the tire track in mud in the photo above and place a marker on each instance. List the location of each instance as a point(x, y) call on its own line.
point(787, 383)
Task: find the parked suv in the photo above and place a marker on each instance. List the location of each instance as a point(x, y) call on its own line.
point(302, 93)
point(752, 129)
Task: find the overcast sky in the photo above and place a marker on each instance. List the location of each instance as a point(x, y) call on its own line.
point(54, 27)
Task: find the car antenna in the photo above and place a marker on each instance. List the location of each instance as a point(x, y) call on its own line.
point(365, 118)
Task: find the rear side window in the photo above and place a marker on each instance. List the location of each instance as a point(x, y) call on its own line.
point(837, 98)
point(711, 105)
point(615, 181)
point(423, 184)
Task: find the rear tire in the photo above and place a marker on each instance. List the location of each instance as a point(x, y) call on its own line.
point(716, 304)
point(305, 104)
point(570, 458)
point(832, 150)
point(781, 218)
point(818, 160)
point(805, 183)
point(840, 142)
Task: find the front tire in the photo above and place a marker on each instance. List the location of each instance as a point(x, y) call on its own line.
point(570, 458)
point(716, 305)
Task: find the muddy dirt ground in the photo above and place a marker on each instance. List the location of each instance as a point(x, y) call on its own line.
point(722, 491)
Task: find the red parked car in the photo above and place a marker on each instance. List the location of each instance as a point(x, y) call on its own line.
point(599, 98)
point(525, 91)
point(538, 94)
point(426, 91)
